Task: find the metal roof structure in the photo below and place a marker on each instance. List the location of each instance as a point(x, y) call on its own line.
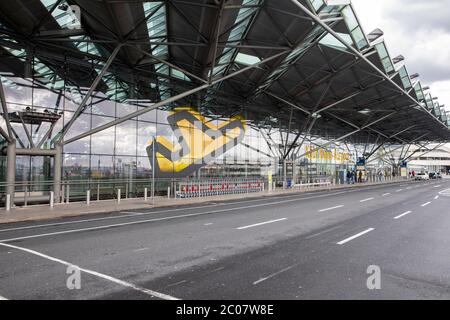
point(305, 66)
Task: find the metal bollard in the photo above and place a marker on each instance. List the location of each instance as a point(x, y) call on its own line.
point(98, 191)
point(68, 194)
point(145, 194)
point(52, 199)
point(88, 197)
point(26, 196)
point(8, 202)
point(118, 195)
point(168, 192)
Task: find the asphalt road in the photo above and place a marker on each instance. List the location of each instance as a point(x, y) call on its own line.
point(309, 246)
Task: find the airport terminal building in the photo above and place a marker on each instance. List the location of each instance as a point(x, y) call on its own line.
point(100, 94)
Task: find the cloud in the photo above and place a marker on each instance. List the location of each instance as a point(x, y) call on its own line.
point(420, 31)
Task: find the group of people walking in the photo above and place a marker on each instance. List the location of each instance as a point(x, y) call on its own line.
point(357, 176)
point(353, 177)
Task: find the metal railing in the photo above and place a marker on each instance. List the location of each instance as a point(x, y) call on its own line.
point(37, 192)
point(42, 192)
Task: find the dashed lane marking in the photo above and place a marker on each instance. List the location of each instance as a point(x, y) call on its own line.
point(260, 224)
point(402, 215)
point(332, 208)
point(355, 236)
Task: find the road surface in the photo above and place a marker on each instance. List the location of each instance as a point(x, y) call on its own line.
point(309, 246)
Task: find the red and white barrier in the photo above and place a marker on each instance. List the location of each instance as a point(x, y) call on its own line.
point(205, 188)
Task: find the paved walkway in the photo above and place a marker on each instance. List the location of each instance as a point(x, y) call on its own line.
point(44, 212)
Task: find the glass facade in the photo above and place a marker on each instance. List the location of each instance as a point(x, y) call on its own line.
point(119, 152)
point(55, 83)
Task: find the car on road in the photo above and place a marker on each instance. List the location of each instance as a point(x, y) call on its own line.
point(422, 176)
point(435, 175)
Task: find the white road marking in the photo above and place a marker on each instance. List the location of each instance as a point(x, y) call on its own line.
point(437, 197)
point(402, 215)
point(133, 214)
point(168, 218)
point(260, 224)
point(365, 200)
point(355, 236)
point(445, 192)
point(399, 190)
point(95, 273)
point(386, 194)
point(140, 249)
point(332, 208)
point(425, 204)
point(437, 186)
point(274, 274)
point(3, 298)
point(153, 220)
point(409, 188)
point(208, 224)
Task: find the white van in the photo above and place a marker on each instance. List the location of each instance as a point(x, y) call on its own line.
point(422, 176)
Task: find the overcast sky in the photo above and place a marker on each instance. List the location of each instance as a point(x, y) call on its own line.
point(420, 31)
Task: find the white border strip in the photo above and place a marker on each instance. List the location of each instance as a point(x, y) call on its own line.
point(153, 220)
point(130, 214)
point(97, 274)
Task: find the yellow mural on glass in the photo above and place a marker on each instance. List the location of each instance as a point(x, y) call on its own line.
point(198, 142)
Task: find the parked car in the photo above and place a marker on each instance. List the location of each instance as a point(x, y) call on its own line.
point(422, 176)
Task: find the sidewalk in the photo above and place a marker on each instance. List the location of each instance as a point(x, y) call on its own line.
point(44, 212)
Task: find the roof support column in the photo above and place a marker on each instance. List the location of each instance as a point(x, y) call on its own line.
point(347, 135)
point(168, 64)
point(11, 171)
point(372, 152)
point(311, 125)
point(90, 92)
point(214, 46)
point(4, 134)
point(9, 136)
point(314, 116)
point(57, 169)
point(424, 153)
point(410, 142)
point(406, 152)
point(171, 99)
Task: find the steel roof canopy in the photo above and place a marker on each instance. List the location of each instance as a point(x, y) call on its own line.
point(176, 45)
